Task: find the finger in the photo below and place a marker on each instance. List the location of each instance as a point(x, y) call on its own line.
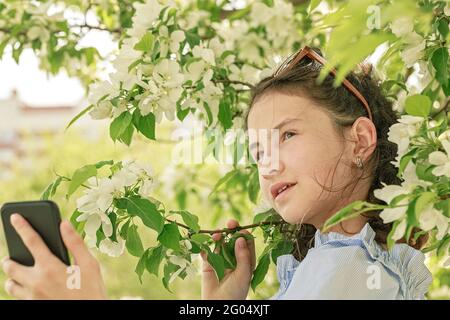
point(216, 236)
point(17, 272)
point(16, 290)
point(251, 248)
point(210, 283)
point(75, 244)
point(231, 223)
point(243, 260)
point(31, 238)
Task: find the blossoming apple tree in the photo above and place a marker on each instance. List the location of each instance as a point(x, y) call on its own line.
point(200, 59)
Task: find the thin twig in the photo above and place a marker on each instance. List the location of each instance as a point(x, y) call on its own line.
point(229, 230)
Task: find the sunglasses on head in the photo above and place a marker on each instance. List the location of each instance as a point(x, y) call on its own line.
point(313, 55)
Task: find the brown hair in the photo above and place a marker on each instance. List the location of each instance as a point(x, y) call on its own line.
point(344, 108)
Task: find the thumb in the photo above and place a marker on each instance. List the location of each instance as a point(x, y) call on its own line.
point(74, 243)
point(243, 259)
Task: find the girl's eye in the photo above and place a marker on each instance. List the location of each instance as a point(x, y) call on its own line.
point(287, 135)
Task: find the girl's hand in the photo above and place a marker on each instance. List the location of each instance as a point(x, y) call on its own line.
point(236, 283)
point(50, 278)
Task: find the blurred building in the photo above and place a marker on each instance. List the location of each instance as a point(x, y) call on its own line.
point(23, 128)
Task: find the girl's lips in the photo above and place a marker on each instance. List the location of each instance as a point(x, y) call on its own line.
point(283, 194)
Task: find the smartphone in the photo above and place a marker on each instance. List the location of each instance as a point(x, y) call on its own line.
point(45, 218)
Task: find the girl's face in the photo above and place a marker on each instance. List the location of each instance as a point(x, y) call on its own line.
point(307, 144)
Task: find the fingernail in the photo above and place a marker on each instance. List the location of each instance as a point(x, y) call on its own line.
point(15, 218)
point(242, 243)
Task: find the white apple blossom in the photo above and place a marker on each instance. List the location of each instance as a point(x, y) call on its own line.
point(195, 70)
point(413, 50)
point(246, 74)
point(96, 201)
point(144, 18)
point(389, 192)
point(100, 89)
point(401, 132)
point(402, 26)
point(441, 160)
point(400, 230)
point(169, 43)
point(206, 54)
point(102, 110)
point(167, 73)
point(430, 217)
point(127, 55)
point(111, 248)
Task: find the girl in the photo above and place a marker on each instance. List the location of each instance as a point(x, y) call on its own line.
point(330, 149)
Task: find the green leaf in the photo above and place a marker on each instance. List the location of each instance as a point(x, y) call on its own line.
point(345, 213)
point(3, 45)
point(127, 135)
point(261, 270)
point(145, 124)
point(169, 269)
point(133, 242)
point(79, 115)
point(227, 252)
point(418, 105)
point(225, 114)
point(390, 242)
point(405, 160)
point(103, 163)
point(73, 220)
point(80, 176)
point(411, 213)
point(170, 236)
point(262, 216)
point(217, 262)
point(146, 43)
point(239, 14)
point(51, 189)
point(443, 27)
point(281, 248)
point(140, 267)
point(440, 63)
point(424, 200)
point(228, 176)
point(253, 186)
point(442, 247)
point(124, 229)
point(313, 4)
point(200, 238)
point(154, 258)
point(189, 219)
point(147, 211)
point(119, 125)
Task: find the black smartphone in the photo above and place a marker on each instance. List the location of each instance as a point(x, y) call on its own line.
point(45, 218)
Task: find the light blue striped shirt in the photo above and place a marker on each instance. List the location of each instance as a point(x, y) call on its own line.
point(356, 267)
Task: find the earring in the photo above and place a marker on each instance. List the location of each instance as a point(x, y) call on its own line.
point(359, 162)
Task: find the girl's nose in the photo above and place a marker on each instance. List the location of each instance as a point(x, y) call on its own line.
point(272, 168)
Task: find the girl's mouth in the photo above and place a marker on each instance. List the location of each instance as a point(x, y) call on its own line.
point(283, 192)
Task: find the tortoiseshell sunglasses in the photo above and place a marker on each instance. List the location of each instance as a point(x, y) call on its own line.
point(313, 55)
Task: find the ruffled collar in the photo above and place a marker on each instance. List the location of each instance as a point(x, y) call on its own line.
point(366, 235)
point(405, 262)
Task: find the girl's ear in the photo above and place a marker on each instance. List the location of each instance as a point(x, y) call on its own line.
point(364, 135)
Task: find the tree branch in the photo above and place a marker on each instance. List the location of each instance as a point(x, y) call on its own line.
point(228, 230)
